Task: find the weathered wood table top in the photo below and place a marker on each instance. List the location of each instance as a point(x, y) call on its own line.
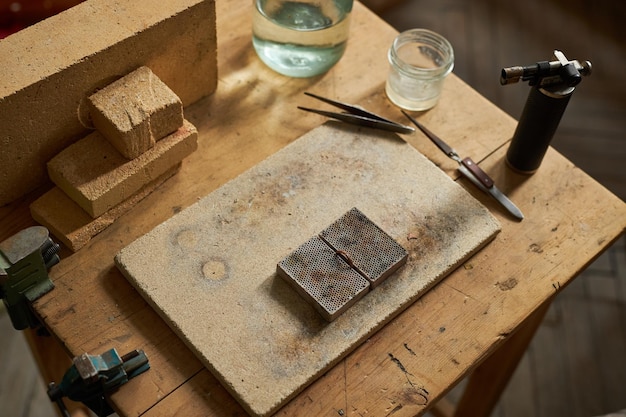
point(415, 359)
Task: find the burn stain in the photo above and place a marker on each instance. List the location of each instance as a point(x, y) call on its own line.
point(415, 395)
point(66, 312)
point(406, 346)
point(507, 285)
point(215, 270)
point(278, 188)
point(423, 239)
point(186, 239)
point(429, 234)
point(289, 350)
point(123, 338)
point(398, 364)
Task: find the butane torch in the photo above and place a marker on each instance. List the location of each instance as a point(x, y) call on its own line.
point(553, 84)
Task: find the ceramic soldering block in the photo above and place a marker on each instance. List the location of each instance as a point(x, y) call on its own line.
point(97, 177)
point(256, 335)
point(136, 111)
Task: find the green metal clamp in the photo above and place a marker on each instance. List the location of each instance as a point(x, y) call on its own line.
point(24, 262)
point(91, 377)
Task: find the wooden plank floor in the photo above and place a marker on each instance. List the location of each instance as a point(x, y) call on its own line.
point(576, 365)
point(22, 390)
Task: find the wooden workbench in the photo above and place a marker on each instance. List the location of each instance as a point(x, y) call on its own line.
point(479, 319)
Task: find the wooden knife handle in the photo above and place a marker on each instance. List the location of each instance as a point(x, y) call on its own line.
point(478, 172)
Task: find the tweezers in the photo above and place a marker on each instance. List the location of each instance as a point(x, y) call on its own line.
point(358, 116)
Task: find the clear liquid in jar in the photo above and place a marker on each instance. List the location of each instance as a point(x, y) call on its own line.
point(301, 39)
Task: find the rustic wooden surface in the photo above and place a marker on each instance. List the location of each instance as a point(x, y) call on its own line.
point(570, 219)
point(490, 378)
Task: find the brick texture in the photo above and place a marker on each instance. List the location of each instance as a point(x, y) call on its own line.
point(136, 111)
point(97, 177)
point(49, 69)
point(71, 225)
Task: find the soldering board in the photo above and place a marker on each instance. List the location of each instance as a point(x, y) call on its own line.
point(210, 271)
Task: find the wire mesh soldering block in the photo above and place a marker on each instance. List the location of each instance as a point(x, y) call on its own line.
point(323, 278)
point(371, 251)
point(334, 270)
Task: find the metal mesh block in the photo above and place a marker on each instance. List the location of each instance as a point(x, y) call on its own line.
point(323, 278)
point(371, 251)
point(334, 270)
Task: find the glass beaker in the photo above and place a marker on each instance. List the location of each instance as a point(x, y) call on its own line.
point(301, 38)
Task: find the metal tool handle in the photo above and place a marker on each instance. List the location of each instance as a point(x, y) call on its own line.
point(478, 172)
point(56, 395)
point(537, 125)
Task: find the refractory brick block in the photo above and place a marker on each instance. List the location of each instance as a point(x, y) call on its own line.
point(71, 225)
point(97, 177)
point(49, 69)
point(136, 111)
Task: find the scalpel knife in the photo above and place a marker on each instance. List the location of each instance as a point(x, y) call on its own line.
point(470, 170)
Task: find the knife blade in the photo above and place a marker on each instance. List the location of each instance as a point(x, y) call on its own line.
point(492, 190)
point(470, 170)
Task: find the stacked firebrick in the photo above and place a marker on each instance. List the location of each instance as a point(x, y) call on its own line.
point(139, 141)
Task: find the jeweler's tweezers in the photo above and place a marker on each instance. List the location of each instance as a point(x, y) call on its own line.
point(358, 116)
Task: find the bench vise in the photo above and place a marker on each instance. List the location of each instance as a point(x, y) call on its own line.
point(24, 262)
point(91, 377)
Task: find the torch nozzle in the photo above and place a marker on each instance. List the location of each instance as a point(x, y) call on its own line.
point(547, 72)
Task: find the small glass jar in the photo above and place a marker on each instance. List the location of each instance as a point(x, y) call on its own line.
point(419, 60)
